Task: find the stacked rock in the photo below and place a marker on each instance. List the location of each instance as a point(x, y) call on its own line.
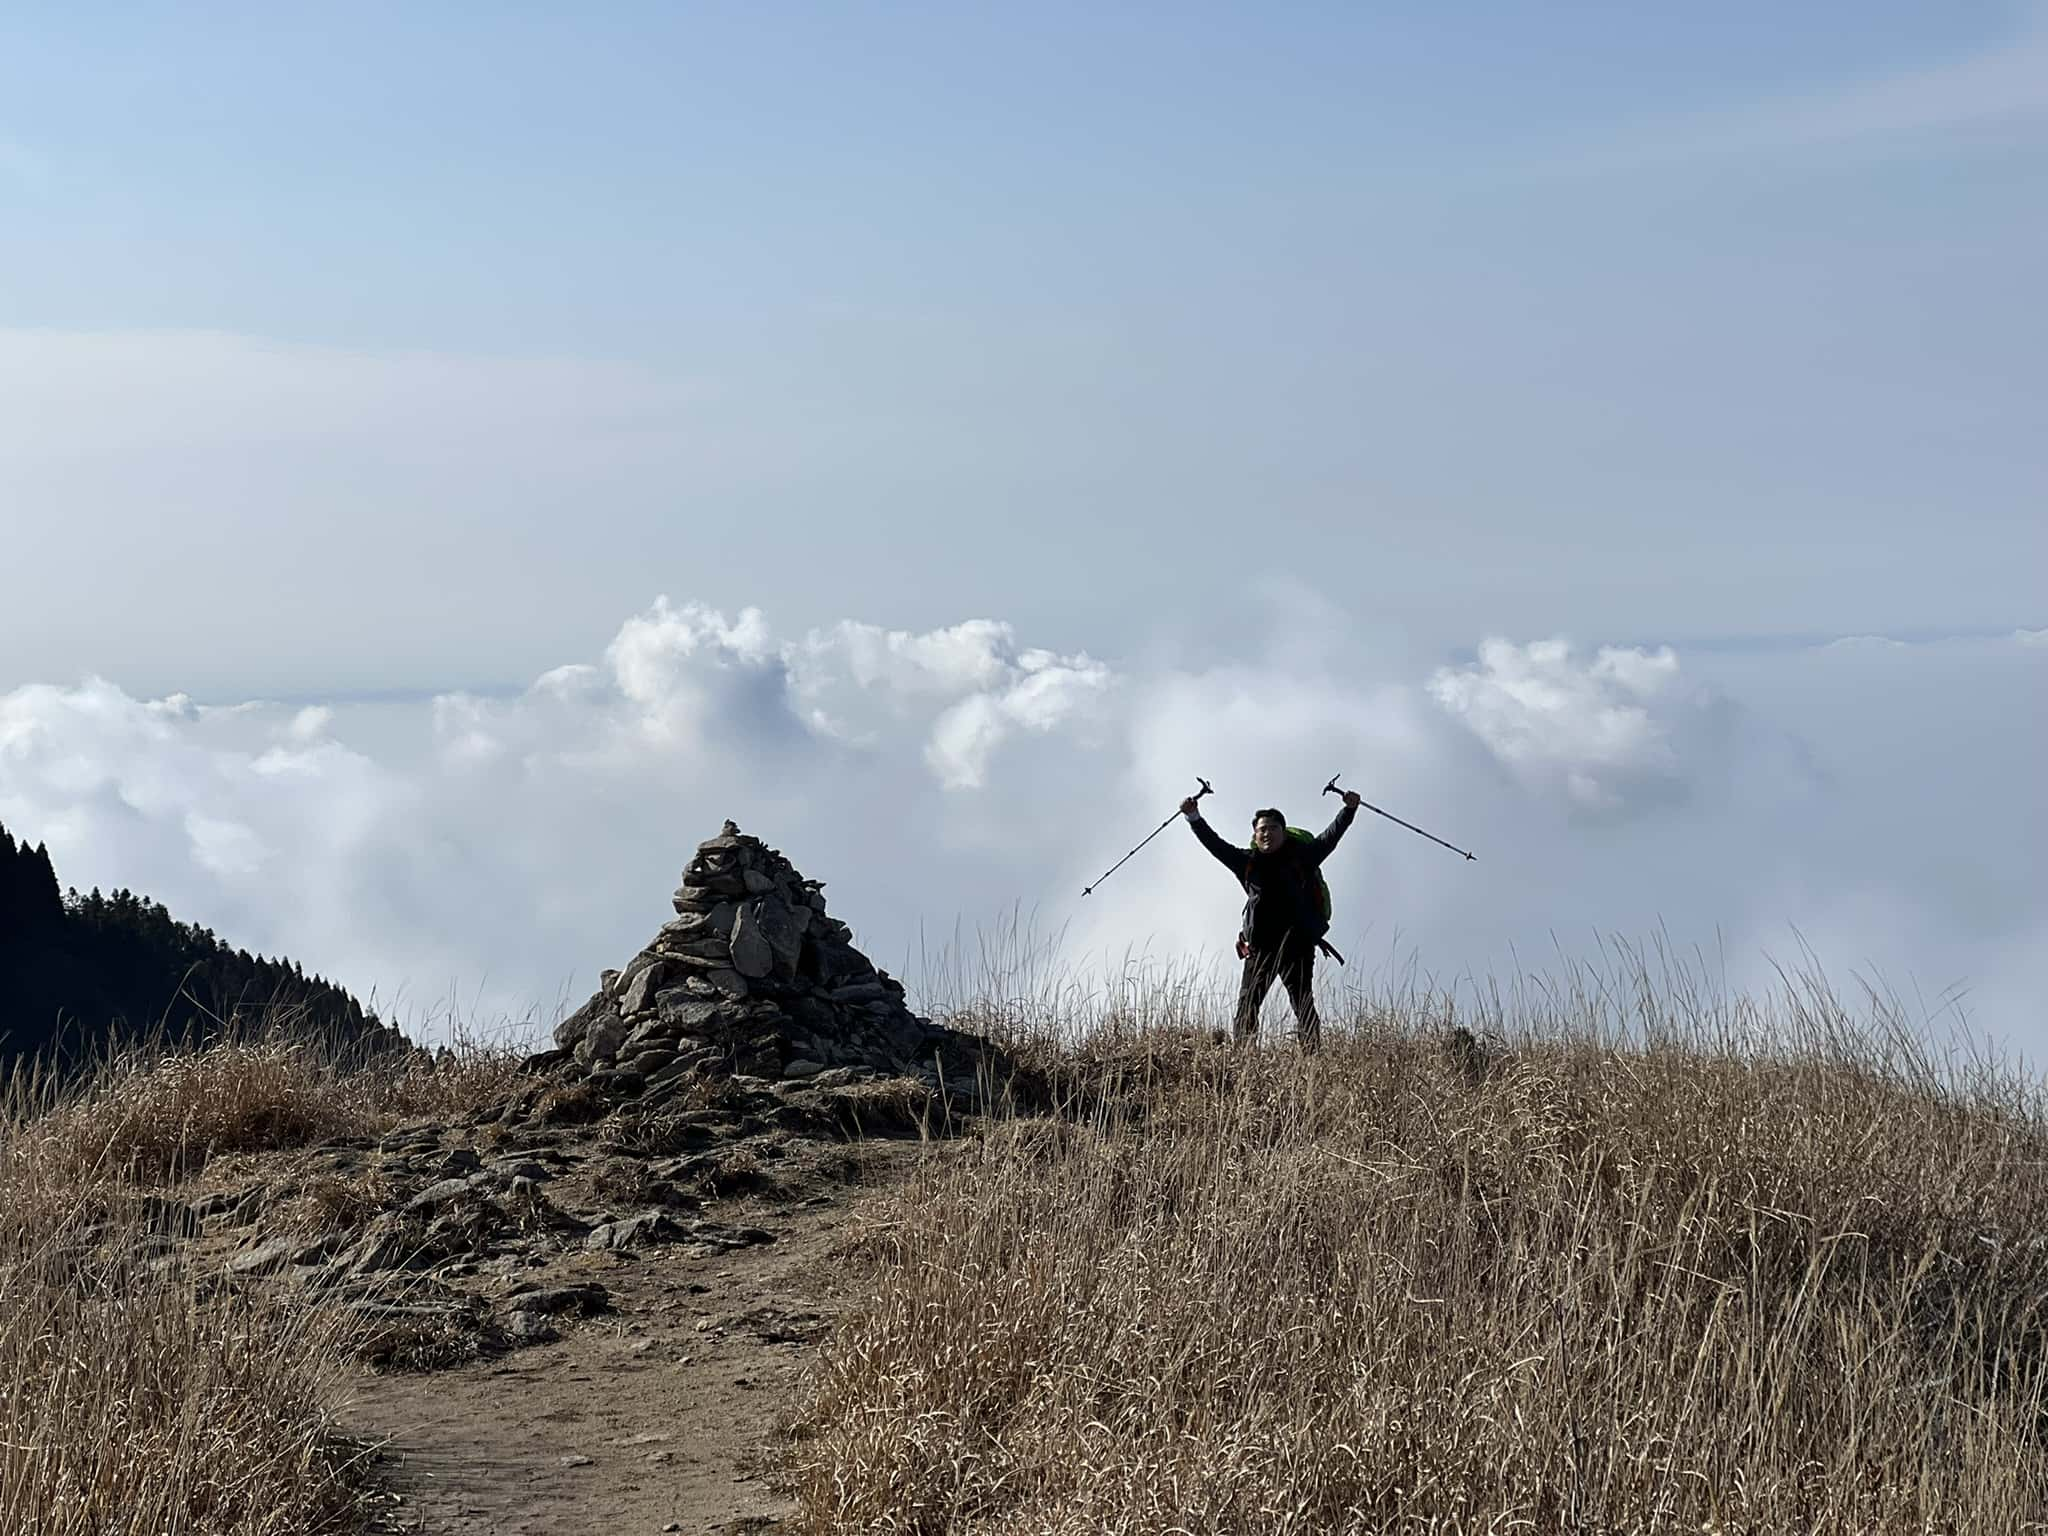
point(752, 977)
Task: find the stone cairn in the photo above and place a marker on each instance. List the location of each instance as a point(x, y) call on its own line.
point(753, 978)
point(725, 1056)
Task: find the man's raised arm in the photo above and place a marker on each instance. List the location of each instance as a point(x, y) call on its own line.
point(1236, 860)
point(1321, 848)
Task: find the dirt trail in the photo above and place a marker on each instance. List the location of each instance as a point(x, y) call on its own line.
point(655, 1416)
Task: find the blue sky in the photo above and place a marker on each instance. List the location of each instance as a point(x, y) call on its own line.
point(402, 352)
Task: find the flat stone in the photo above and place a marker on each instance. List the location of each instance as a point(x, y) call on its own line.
point(545, 1061)
point(803, 1066)
point(752, 956)
point(731, 983)
point(517, 1167)
point(570, 1031)
point(527, 1328)
point(607, 1033)
point(408, 1311)
point(728, 1237)
point(774, 922)
point(757, 883)
point(651, 1033)
point(684, 1012)
point(721, 885)
point(705, 946)
point(839, 964)
point(683, 1064)
point(622, 1082)
point(562, 1298)
point(435, 1196)
point(689, 925)
point(636, 1232)
point(638, 993)
point(689, 963)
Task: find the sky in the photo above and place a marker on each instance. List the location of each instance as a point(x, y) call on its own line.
point(451, 458)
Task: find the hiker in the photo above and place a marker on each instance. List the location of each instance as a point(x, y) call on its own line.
point(1284, 917)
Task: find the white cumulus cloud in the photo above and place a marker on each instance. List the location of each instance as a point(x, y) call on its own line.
point(1603, 730)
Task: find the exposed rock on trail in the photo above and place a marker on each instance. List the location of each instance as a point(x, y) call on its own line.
point(674, 1159)
point(643, 1391)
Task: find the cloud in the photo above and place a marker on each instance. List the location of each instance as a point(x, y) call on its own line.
point(2030, 636)
point(858, 681)
point(690, 680)
point(1601, 731)
point(502, 849)
point(308, 724)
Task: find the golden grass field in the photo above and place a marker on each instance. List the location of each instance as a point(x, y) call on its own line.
point(1636, 1260)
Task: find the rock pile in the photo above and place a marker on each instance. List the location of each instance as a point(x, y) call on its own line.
point(752, 978)
point(724, 1067)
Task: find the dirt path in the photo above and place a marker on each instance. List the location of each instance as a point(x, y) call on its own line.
point(657, 1415)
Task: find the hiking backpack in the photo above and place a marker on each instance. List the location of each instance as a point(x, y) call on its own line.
point(1322, 885)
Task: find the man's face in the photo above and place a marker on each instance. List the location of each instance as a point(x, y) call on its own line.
point(1266, 834)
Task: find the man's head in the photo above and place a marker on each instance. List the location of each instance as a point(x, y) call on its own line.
point(1268, 828)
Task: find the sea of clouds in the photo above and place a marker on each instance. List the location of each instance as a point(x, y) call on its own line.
point(483, 855)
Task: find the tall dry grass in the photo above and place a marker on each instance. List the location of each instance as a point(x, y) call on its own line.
point(1674, 1261)
point(137, 1395)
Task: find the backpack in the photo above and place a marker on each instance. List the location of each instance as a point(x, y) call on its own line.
point(1322, 885)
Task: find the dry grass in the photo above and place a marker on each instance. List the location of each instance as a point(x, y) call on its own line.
point(146, 1115)
point(1677, 1264)
point(135, 1396)
point(329, 1203)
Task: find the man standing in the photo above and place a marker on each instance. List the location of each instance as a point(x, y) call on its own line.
point(1283, 911)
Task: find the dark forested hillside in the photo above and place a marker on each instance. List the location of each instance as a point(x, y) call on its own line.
point(79, 973)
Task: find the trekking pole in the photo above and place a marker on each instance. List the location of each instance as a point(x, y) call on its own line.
point(1119, 864)
point(1331, 789)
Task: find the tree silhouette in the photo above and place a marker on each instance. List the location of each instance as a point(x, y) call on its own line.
point(79, 974)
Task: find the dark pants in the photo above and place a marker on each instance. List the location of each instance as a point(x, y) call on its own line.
point(1294, 964)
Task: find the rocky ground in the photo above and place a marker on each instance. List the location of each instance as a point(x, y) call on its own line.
point(649, 1401)
point(580, 1307)
point(569, 1325)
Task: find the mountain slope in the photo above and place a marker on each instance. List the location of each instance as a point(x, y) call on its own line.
point(81, 973)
